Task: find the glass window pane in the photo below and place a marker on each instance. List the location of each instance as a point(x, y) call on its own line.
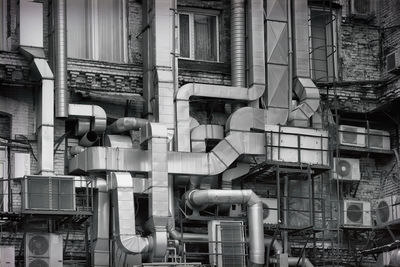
point(184, 38)
point(205, 41)
point(76, 28)
point(110, 27)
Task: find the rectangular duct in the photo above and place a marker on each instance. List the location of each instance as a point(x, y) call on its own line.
point(301, 43)
point(30, 23)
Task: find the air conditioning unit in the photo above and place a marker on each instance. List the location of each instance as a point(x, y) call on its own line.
point(352, 136)
point(270, 208)
point(49, 193)
point(378, 139)
point(43, 249)
point(226, 243)
point(388, 210)
point(356, 213)
point(346, 169)
point(393, 61)
point(7, 256)
point(362, 9)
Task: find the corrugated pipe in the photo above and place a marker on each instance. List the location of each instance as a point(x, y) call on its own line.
point(126, 124)
point(61, 89)
point(238, 44)
point(202, 198)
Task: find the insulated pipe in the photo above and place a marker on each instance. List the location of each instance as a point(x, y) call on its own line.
point(201, 198)
point(126, 124)
point(61, 89)
point(238, 44)
point(88, 139)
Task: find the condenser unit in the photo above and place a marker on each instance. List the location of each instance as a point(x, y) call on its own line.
point(270, 208)
point(226, 243)
point(356, 213)
point(7, 256)
point(49, 193)
point(346, 169)
point(378, 139)
point(392, 61)
point(43, 249)
point(352, 136)
point(388, 210)
point(362, 9)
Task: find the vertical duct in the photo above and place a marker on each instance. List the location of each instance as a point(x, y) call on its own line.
point(238, 44)
point(61, 89)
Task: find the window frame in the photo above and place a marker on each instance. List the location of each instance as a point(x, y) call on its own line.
point(335, 14)
point(92, 42)
point(191, 12)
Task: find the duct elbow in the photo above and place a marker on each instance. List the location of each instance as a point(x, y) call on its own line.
point(134, 244)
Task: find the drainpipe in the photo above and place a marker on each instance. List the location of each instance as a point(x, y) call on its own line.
point(45, 117)
point(201, 198)
point(61, 89)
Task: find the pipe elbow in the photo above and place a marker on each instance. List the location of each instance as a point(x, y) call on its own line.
point(134, 244)
point(185, 91)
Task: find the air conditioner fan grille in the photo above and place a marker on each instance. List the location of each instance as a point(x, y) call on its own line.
point(355, 213)
point(38, 245)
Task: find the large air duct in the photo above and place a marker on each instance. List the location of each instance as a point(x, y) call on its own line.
point(95, 113)
point(200, 198)
point(126, 124)
point(45, 117)
point(61, 89)
point(238, 43)
point(201, 133)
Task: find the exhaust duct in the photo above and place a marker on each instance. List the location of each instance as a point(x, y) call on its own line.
point(201, 133)
point(96, 113)
point(126, 124)
point(61, 89)
point(200, 198)
point(238, 43)
point(88, 139)
point(75, 150)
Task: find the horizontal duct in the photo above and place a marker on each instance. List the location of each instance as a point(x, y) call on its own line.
point(126, 124)
point(201, 133)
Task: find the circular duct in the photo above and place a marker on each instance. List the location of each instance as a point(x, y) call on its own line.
point(383, 211)
point(343, 168)
point(38, 263)
point(354, 213)
point(38, 245)
point(266, 211)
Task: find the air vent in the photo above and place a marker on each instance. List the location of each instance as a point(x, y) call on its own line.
point(362, 9)
point(270, 210)
point(346, 169)
point(43, 249)
point(352, 136)
point(356, 213)
point(49, 193)
point(378, 139)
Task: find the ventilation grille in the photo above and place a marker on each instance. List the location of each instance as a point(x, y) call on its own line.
point(38, 246)
point(38, 263)
point(383, 211)
point(349, 135)
point(232, 243)
point(355, 213)
point(362, 8)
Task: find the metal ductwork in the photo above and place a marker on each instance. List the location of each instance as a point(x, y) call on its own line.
point(61, 88)
point(45, 117)
point(101, 225)
point(200, 198)
point(126, 124)
point(215, 162)
point(231, 174)
point(124, 213)
point(201, 133)
point(89, 139)
point(238, 43)
point(122, 141)
point(206, 90)
point(75, 150)
point(96, 113)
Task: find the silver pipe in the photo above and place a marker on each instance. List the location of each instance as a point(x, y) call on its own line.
point(126, 124)
point(88, 139)
point(238, 45)
point(285, 235)
point(202, 198)
point(61, 89)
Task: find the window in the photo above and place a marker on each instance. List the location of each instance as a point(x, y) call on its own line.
point(198, 35)
point(323, 44)
point(96, 29)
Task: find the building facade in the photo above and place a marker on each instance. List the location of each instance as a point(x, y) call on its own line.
point(216, 133)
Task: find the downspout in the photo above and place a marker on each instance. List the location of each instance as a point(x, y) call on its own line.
point(61, 89)
point(201, 198)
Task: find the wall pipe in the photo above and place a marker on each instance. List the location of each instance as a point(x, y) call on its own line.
point(126, 124)
point(61, 89)
point(200, 198)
